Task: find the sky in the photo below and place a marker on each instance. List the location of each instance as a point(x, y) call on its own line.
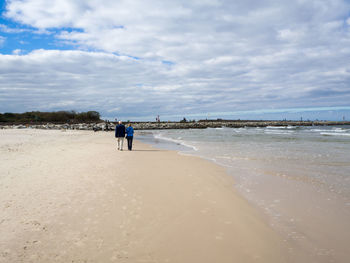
point(136, 59)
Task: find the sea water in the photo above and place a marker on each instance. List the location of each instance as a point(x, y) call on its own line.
point(299, 177)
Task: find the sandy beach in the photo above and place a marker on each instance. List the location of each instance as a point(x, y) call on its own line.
point(71, 196)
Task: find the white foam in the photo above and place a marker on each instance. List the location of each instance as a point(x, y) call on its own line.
point(218, 128)
point(177, 141)
point(233, 158)
point(318, 130)
point(339, 130)
point(334, 134)
point(279, 132)
point(275, 127)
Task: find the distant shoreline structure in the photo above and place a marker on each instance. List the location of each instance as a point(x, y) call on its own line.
point(202, 124)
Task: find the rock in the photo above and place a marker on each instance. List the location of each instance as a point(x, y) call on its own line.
point(109, 126)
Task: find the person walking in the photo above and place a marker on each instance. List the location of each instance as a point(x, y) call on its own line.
point(120, 134)
point(129, 136)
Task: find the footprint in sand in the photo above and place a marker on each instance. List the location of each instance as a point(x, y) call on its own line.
point(205, 210)
point(198, 194)
point(8, 204)
point(219, 236)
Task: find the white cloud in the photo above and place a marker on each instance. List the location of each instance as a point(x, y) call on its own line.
point(2, 40)
point(180, 30)
point(6, 29)
point(290, 35)
point(220, 54)
point(54, 80)
point(17, 51)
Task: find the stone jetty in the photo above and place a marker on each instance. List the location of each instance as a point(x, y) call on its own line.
point(109, 126)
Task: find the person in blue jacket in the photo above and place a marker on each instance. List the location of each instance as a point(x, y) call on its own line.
point(129, 136)
point(120, 134)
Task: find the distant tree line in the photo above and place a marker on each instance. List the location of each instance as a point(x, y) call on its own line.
point(53, 117)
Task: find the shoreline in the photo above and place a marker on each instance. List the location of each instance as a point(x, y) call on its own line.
point(72, 196)
point(305, 220)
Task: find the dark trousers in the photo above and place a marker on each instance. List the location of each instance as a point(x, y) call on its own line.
point(129, 138)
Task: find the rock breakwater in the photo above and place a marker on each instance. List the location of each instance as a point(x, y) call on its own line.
point(109, 126)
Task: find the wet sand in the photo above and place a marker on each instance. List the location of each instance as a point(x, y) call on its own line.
point(73, 197)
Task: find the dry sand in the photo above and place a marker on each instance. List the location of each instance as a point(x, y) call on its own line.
point(73, 197)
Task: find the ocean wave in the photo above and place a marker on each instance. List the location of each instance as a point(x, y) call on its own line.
point(334, 134)
point(217, 128)
point(233, 158)
point(318, 130)
point(177, 141)
point(283, 127)
point(276, 127)
point(340, 130)
point(279, 132)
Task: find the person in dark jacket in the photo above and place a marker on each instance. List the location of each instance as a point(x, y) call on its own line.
point(129, 136)
point(120, 134)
